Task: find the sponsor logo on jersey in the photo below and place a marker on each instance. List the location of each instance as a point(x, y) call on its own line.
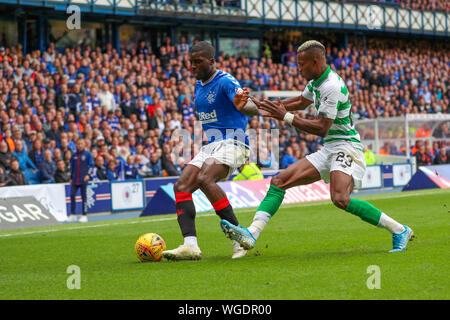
point(207, 117)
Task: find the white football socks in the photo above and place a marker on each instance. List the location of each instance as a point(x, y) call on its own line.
point(191, 241)
point(260, 220)
point(390, 224)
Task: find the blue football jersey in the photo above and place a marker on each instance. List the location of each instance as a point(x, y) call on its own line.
point(215, 109)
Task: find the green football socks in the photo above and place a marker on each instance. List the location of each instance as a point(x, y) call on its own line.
point(268, 207)
point(364, 210)
point(272, 200)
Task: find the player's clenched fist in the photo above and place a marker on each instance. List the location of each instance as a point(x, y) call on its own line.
point(244, 103)
point(241, 98)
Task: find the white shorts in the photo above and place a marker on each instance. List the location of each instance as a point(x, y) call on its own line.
point(229, 152)
point(342, 157)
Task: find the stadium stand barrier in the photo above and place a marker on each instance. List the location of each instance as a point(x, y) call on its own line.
point(24, 212)
point(241, 194)
point(430, 177)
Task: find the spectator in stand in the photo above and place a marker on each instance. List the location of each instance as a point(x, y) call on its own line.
point(27, 166)
point(47, 168)
point(167, 161)
point(67, 158)
point(442, 131)
point(62, 173)
point(443, 156)
point(62, 99)
point(143, 168)
point(18, 136)
point(84, 105)
point(47, 145)
point(436, 148)
point(157, 121)
point(290, 53)
point(288, 158)
point(155, 165)
point(36, 154)
point(128, 105)
point(416, 147)
point(423, 158)
point(4, 178)
point(304, 148)
point(99, 172)
point(183, 46)
point(131, 172)
point(424, 131)
point(187, 108)
point(106, 98)
point(9, 140)
point(369, 156)
point(143, 49)
point(57, 155)
point(74, 98)
point(54, 133)
point(5, 156)
point(16, 176)
point(112, 172)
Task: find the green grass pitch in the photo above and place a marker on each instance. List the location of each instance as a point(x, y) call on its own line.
point(309, 251)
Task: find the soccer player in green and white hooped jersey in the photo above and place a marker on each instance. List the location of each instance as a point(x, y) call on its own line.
point(340, 162)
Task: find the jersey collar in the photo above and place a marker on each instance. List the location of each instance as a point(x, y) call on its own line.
point(210, 79)
point(324, 75)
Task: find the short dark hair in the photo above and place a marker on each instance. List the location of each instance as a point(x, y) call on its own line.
point(205, 48)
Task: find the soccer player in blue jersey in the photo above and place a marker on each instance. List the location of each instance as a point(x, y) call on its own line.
point(223, 114)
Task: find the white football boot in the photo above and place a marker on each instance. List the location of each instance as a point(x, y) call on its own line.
point(238, 250)
point(183, 252)
point(71, 218)
point(83, 218)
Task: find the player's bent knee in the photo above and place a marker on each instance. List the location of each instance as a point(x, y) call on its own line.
point(203, 181)
point(341, 201)
point(277, 182)
point(180, 186)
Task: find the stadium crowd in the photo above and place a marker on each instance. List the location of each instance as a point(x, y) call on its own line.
point(129, 107)
point(432, 5)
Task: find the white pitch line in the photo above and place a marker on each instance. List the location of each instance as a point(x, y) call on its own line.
point(310, 204)
point(404, 195)
point(92, 226)
point(106, 225)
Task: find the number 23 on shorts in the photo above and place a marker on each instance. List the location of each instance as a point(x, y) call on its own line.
point(344, 158)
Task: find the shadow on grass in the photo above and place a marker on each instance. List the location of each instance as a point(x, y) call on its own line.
point(258, 256)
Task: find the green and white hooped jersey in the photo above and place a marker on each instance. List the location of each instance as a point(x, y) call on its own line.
point(330, 98)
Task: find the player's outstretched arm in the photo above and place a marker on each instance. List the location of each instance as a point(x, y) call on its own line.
point(277, 110)
point(296, 103)
point(291, 104)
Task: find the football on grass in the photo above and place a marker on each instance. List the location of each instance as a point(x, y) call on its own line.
point(149, 247)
